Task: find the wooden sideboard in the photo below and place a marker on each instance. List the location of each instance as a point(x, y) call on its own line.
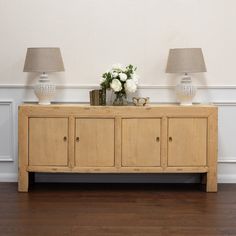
point(71, 138)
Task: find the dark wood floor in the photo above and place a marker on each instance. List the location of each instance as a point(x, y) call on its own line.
point(112, 209)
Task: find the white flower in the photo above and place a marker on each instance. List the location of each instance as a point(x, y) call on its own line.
point(123, 76)
point(116, 85)
point(102, 80)
point(114, 74)
point(135, 77)
point(117, 67)
point(130, 86)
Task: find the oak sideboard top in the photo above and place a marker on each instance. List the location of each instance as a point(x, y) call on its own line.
point(156, 105)
point(150, 110)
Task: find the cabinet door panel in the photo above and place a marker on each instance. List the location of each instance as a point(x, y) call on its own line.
point(48, 141)
point(95, 142)
point(187, 144)
point(141, 142)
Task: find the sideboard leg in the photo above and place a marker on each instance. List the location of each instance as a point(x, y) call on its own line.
point(23, 127)
point(211, 185)
point(23, 182)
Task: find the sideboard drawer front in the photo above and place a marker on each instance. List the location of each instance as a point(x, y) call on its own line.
point(187, 142)
point(48, 141)
point(141, 142)
point(95, 142)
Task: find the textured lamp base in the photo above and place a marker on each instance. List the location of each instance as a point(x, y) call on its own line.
point(186, 91)
point(44, 90)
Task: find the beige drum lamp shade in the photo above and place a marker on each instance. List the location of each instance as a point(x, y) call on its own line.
point(43, 60)
point(185, 60)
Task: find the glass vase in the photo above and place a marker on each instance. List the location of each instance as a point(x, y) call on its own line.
point(120, 99)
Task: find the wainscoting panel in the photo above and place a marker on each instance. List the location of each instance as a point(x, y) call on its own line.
point(6, 131)
point(227, 132)
point(222, 96)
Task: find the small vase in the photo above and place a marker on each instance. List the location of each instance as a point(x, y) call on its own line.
point(120, 99)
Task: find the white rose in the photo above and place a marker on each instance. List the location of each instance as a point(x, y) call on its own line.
point(117, 67)
point(135, 77)
point(130, 86)
point(102, 80)
point(114, 74)
point(116, 85)
point(123, 76)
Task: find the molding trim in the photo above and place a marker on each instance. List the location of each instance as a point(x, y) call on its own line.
point(91, 86)
point(224, 103)
point(227, 161)
point(59, 86)
point(10, 157)
point(143, 86)
point(6, 158)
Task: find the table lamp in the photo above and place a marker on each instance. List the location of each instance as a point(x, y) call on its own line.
point(44, 60)
point(185, 60)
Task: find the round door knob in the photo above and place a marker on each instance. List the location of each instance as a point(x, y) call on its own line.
point(77, 139)
point(170, 139)
point(65, 138)
point(157, 139)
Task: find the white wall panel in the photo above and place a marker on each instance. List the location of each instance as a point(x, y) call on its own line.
point(227, 132)
point(6, 131)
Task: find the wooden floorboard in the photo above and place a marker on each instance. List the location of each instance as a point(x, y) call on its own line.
point(117, 209)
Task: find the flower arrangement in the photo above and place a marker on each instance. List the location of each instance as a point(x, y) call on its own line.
point(121, 80)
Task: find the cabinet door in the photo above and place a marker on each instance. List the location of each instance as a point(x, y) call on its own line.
point(141, 142)
point(48, 141)
point(187, 142)
point(94, 145)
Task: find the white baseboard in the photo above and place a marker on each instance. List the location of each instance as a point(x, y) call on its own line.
point(8, 177)
point(227, 179)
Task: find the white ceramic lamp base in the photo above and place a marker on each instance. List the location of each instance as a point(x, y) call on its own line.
point(186, 91)
point(44, 90)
